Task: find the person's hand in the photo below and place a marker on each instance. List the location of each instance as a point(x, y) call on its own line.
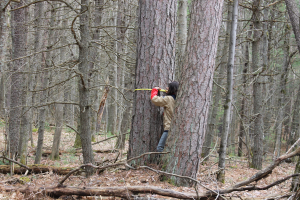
point(158, 88)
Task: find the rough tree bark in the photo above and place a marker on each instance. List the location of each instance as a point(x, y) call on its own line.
point(282, 92)
point(84, 101)
point(192, 104)
point(44, 93)
point(154, 67)
point(121, 49)
point(243, 113)
point(2, 55)
point(257, 88)
point(228, 101)
point(294, 18)
point(19, 48)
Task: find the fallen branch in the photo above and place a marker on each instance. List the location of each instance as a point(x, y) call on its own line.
point(48, 152)
point(5, 169)
point(60, 184)
point(14, 161)
point(263, 173)
point(123, 192)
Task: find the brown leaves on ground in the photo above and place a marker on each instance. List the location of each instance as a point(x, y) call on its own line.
point(236, 170)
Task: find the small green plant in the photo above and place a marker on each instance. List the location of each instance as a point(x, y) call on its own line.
point(3, 162)
point(34, 130)
point(2, 123)
point(109, 134)
point(71, 150)
point(56, 164)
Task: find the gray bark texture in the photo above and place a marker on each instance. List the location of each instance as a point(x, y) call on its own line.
point(19, 48)
point(282, 93)
point(44, 93)
point(294, 18)
point(84, 101)
point(188, 127)
point(154, 67)
point(257, 89)
point(228, 101)
point(2, 56)
point(182, 34)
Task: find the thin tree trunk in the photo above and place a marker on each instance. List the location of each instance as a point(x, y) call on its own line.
point(243, 113)
point(294, 18)
point(282, 94)
point(84, 101)
point(2, 56)
point(19, 47)
point(182, 34)
point(44, 93)
point(257, 89)
point(228, 102)
point(187, 131)
point(122, 50)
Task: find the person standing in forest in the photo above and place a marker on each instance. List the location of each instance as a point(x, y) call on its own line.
point(168, 102)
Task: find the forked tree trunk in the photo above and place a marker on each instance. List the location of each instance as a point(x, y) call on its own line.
point(192, 104)
point(154, 67)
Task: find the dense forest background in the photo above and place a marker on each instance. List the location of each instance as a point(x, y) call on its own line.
point(69, 70)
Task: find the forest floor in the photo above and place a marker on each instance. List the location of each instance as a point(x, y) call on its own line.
point(236, 170)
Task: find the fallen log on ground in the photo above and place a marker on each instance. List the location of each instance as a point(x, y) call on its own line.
point(5, 169)
point(123, 192)
point(48, 152)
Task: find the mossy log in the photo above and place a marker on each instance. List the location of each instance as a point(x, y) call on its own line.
point(36, 169)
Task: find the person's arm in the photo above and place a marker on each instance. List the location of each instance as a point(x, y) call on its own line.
point(156, 100)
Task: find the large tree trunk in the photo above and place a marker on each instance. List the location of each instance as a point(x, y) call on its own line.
point(84, 102)
point(228, 102)
point(257, 89)
point(19, 47)
point(192, 104)
point(154, 67)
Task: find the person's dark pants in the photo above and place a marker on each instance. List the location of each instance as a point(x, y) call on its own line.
point(162, 142)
